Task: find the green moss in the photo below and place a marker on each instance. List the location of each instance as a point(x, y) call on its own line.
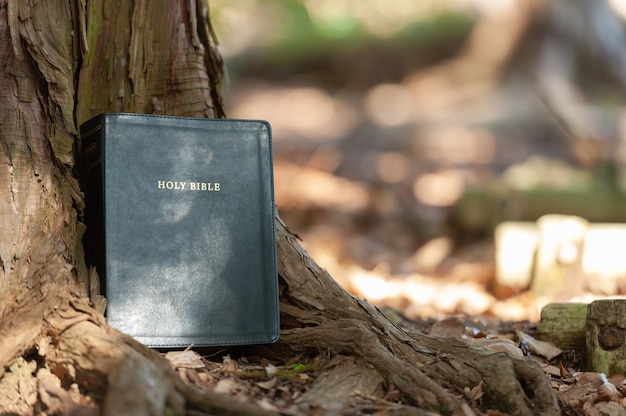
point(300, 38)
point(289, 371)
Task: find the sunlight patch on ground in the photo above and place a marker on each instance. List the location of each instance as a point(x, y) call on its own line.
point(432, 254)
point(422, 296)
point(432, 280)
point(442, 188)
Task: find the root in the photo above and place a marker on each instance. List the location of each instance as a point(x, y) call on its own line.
point(73, 346)
point(325, 316)
point(19, 332)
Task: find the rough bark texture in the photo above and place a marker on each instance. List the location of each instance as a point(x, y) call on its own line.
point(40, 251)
point(144, 57)
point(65, 61)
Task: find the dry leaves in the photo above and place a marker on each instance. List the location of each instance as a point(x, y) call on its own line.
point(592, 394)
point(277, 387)
point(272, 387)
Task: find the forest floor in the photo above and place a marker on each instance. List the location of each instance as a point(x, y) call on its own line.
point(374, 204)
point(374, 151)
point(369, 180)
point(434, 287)
point(282, 386)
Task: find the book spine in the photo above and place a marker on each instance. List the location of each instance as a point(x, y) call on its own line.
point(91, 177)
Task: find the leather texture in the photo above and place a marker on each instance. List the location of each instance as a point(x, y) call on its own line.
point(187, 221)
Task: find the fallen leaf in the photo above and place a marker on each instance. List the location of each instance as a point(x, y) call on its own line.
point(610, 409)
point(302, 378)
point(185, 359)
point(552, 370)
point(476, 393)
point(542, 348)
point(618, 381)
point(267, 385)
point(226, 386)
point(563, 370)
point(231, 365)
point(607, 392)
point(589, 378)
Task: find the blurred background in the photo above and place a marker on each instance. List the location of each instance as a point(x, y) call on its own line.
point(406, 131)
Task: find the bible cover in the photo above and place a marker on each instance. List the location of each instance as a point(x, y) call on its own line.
point(180, 226)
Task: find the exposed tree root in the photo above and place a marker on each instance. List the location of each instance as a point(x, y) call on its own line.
point(73, 347)
point(323, 315)
point(18, 334)
point(46, 354)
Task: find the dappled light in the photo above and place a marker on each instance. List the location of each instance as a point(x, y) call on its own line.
point(401, 144)
point(442, 188)
point(604, 257)
point(422, 296)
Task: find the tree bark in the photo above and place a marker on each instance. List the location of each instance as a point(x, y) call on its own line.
point(64, 62)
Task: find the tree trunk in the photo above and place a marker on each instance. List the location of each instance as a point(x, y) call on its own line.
point(63, 62)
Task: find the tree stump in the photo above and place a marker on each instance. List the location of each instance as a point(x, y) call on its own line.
point(563, 324)
point(606, 336)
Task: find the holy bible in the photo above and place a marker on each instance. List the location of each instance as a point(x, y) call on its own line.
point(180, 227)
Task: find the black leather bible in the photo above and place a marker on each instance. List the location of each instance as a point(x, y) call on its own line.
point(180, 227)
